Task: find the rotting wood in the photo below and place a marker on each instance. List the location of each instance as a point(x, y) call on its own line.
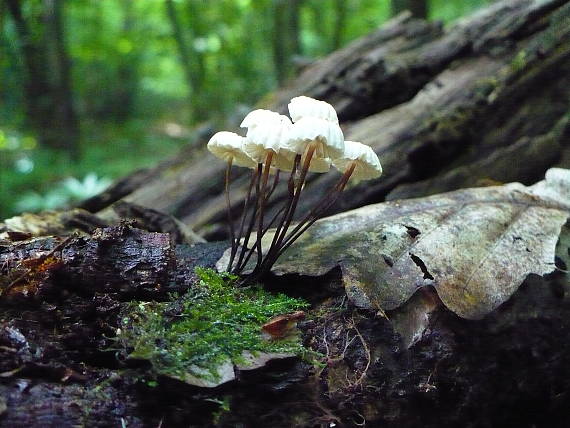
point(420, 365)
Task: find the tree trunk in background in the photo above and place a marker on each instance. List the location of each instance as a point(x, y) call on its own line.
point(340, 21)
point(47, 80)
point(36, 87)
point(295, 27)
point(65, 127)
point(198, 27)
point(127, 73)
point(286, 36)
point(183, 51)
point(418, 8)
point(280, 51)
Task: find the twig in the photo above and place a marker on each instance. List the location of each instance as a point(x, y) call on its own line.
point(40, 259)
point(366, 349)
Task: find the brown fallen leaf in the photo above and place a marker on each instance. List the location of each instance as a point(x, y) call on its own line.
point(474, 246)
point(282, 325)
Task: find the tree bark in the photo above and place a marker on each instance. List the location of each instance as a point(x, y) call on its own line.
point(295, 27)
point(127, 84)
point(286, 33)
point(35, 84)
point(198, 27)
point(280, 30)
point(419, 365)
point(443, 108)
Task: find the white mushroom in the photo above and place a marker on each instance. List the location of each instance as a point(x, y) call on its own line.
point(312, 142)
point(228, 146)
point(302, 107)
point(258, 117)
point(266, 135)
point(327, 136)
point(366, 163)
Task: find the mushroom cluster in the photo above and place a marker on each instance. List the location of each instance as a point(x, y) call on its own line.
point(311, 141)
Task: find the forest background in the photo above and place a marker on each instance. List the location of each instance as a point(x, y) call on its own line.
point(93, 89)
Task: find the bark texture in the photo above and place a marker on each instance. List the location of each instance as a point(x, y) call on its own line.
point(483, 101)
point(486, 100)
point(418, 365)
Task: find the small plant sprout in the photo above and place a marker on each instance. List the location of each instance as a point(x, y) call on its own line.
point(312, 142)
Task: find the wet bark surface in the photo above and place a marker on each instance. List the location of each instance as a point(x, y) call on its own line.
point(420, 365)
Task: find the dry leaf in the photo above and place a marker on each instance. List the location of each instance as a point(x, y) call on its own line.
point(474, 246)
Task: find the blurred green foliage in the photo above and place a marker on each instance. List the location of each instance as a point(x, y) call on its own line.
point(135, 99)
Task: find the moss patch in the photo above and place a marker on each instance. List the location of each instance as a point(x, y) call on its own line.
point(213, 322)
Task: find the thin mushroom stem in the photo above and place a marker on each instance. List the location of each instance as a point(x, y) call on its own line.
point(335, 194)
point(262, 195)
point(245, 251)
point(287, 206)
point(326, 201)
point(277, 214)
point(244, 248)
point(288, 216)
point(305, 168)
point(274, 185)
point(229, 211)
point(251, 250)
point(284, 209)
point(243, 218)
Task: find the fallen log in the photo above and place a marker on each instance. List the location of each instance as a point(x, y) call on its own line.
point(422, 365)
point(424, 361)
point(444, 108)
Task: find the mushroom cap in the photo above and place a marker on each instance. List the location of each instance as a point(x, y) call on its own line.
point(301, 107)
point(367, 162)
point(259, 117)
point(228, 145)
point(270, 135)
point(327, 134)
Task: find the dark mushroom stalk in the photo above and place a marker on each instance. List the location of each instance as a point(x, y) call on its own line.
point(283, 240)
point(253, 181)
point(267, 131)
point(274, 144)
point(262, 198)
point(312, 140)
point(358, 162)
point(229, 211)
point(229, 147)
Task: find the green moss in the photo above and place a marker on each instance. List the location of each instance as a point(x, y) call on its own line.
point(213, 322)
point(519, 62)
